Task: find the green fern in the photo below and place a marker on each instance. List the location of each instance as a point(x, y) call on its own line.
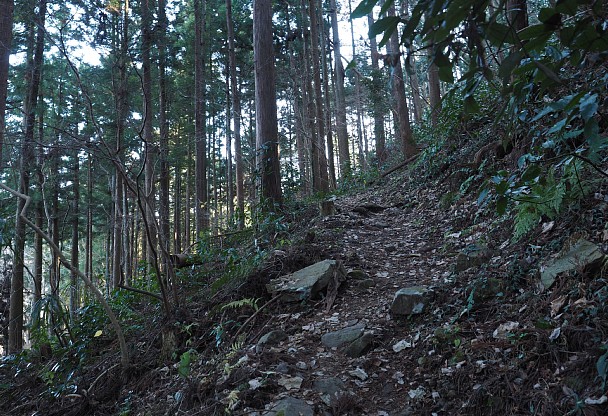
point(237, 304)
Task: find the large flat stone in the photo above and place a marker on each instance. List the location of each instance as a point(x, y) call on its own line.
point(581, 254)
point(290, 406)
point(306, 283)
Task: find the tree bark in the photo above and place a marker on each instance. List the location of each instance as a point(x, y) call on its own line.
point(33, 77)
point(6, 35)
point(236, 120)
point(164, 209)
point(75, 211)
point(267, 135)
point(320, 174)
point(406, 138)
point(201, 199)
point(342, 133)
point(377, 108)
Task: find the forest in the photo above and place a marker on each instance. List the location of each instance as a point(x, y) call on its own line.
point(328, 207)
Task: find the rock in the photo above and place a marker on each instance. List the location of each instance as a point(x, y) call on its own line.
point(579, 255)
point(360, 346)
point(329, 388)
point(365, 284)
point(486, 289)
point(359, 373)
point(357, 274)
point(343, 336)
point(306, 283)
point(273, 337)
point(472, 256)
point(289, 406)
point(410, 300)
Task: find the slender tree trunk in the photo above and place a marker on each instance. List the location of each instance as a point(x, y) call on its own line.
point(320, 174)
point(150, 151)
point(267, 135)
point(377, 108)
point(33, 77)
point(342, 133)
point(406, 138)
point(164, 211)
point(328, 125)
point(6, 35)
point(358, 99)
point(201, 203)
point(122, 106)
point(229, 176)
point(434, 89)
point(236, 119)
point(89, 239)
point(75, 211)
point(39, 208)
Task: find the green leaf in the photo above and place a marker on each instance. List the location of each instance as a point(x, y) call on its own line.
point(184, 364)
point(588, 106)
point(502, 187)
point(446, 74)
point(364, 8)
point(501, 205)
point(482, 196)
point(508, 65)
point(499, 34)
point(385, 24)
point(568, 7)
point(532, 172)
point(352, 64)
point(534, 31)
point(558, 126)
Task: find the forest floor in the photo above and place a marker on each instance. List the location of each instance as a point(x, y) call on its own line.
point(490, 341)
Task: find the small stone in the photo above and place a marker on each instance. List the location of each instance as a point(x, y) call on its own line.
point(360, 346)
point(343, 336)
point(410, 301)
point(359, 373)
point(328, 388)
point(472, 256)
point(273, 337)
point(291, 406)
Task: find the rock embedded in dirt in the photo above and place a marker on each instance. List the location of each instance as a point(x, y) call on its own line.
point(410, 300)
point(291, 406)
point(578, 256)
point(306, 283)
point(360, 346)
point(328, 388)
point(272, 337)
point(472, 256)
point(343, 336)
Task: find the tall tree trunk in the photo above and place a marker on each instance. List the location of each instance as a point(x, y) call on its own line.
point(39, 208)
point(6, 35)
point(229, 175)
point(122, 107)
point(267, 135)
point(164, 209)
point(341, 130)
point(320, 174)
point(406, 138)
point(150, 151)
point(75, 211)
point(377, 108)
point(434, 90)
point(358, 98)
point(328, 125)
point(236, 119)
point(201, 203)
point(33, 77)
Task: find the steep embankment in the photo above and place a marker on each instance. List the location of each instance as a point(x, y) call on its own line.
point(488, 340)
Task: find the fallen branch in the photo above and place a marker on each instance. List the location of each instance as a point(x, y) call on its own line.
point(399, 166)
